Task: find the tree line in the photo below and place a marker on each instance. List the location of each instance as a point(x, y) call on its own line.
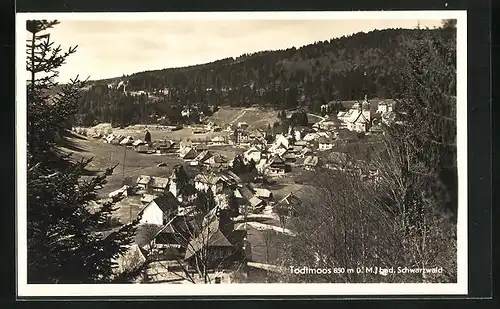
point(404, 216)
point(346, 68)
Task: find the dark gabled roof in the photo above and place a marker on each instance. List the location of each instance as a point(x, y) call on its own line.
point(325, 140)
point(246, 192)
point(208, 179)
point(360, 115)
point(210, 236)
point(276, 159)
point(145, 233)
point(159, 182)
point(217, 159)
point(311, 160)
point(165, 202)
point(231, 175)
point(143, 179)
point(203, 156)
point(291, 199)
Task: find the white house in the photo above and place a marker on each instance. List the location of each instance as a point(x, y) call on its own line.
point(263, 193)
point(159, 210)
point(218, 140)
point(325, 144)
point(127, 141)
point(281, 139)
point(252, 154)
point(242, 125)
point(185, 143)
point(187, 153)
point(138, 142)
point(310, 163)
point(209, 182)
point(385, 107)
point(276, 166)
point(202, 157)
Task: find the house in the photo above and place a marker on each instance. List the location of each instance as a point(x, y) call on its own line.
point(289, 205)
point(217, 161)
point(252, 154)
point(146, 198)
point(127, 141)
point(256, 203)
point(385, 107)
point(340, 115)
point(258, 143)
point(143, 182)
point(164, 147)
point(244, 193)
point(276, 166)
point(218, 140)
point(282, 140)
point(327, 125)
point(184, 144)
point(377, 129)
point(122, 192)
point(138, 142)
point(109, 138)
point(305, 152)
point(129, 261)
point(152, 185)
point(278, 148)
point(199, 130)
point(263, 193)
point(359, 117)
point(216, 183)
point(289, 157)
point(325, 144)
point(143, 149)
point(159, 210)
point(261, 165)
point(239, 136)
point(242, 125)
point(311, 137)
point(116, 140)
point(158, 185)
point(174, 234)
point(201, 147)
point(301, 143)
point(295, 149)
point(219, 239)
point(187, 153)
point(202, 157)
point(310, 163)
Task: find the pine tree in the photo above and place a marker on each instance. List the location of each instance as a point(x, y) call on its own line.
point(64, 240)
point(147, 137)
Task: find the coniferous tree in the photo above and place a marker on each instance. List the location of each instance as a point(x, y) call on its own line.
point(147, 137)
point(64, 243)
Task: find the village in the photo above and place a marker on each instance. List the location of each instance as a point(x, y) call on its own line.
point(217, 216)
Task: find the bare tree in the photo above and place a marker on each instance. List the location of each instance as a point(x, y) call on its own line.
point(397, 218)
point(268, 237)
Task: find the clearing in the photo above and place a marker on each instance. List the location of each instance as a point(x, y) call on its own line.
point(107, 155)
point(255, 117)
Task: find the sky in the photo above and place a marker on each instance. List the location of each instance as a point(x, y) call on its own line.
point(115, 47)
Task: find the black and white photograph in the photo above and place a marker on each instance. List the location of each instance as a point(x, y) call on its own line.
point(274, 153)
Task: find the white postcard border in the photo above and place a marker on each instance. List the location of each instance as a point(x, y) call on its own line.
point(460, 288)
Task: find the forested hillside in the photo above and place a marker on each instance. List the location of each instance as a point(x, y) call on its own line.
point(345, 68)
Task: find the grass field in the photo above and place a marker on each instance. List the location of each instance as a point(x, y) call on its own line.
point(107, 155)
point(255, 117)
point(138, 132)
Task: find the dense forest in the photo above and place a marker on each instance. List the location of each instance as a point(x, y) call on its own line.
point(346, 68)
